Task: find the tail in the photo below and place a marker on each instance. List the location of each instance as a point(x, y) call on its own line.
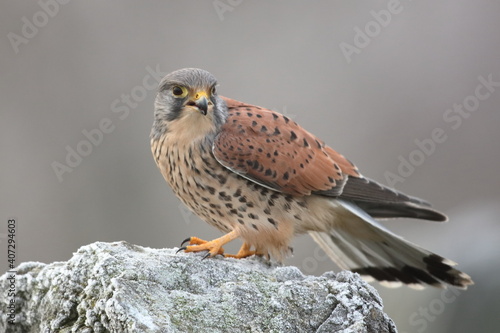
point(362, 245)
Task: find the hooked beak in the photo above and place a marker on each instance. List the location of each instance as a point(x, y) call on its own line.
point(201, 102)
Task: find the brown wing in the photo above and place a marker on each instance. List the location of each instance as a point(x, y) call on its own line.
point(273, 150)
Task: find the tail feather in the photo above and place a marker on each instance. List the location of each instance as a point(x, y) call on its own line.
point(362, 245)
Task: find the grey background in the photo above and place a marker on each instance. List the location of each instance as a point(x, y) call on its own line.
point(281, 55)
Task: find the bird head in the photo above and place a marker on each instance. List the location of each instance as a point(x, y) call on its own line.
point(187, 101)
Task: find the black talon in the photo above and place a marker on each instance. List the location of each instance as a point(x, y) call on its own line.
point(181, 249)
point(206, 256)
point(186, 240)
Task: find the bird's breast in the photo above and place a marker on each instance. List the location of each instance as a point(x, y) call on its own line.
point(195, 177)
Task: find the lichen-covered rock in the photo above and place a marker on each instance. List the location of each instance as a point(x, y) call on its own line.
point(119, 287)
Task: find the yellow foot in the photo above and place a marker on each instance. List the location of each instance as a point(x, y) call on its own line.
point(213, 247)
point(243, 252)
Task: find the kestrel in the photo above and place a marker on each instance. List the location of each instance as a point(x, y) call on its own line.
point(256, 175)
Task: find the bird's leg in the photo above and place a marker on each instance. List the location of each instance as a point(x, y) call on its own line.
point(213, 247)
point(243, 252)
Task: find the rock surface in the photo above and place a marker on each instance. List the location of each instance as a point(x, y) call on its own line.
point(119, 287)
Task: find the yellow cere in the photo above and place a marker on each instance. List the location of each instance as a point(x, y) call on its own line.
point(200, 94)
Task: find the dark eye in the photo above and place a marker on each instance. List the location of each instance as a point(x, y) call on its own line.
point(179, 91)
point(214, 91)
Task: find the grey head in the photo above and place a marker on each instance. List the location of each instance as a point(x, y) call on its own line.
point(187, 97)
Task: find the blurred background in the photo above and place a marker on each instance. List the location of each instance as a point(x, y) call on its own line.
point(409, 91)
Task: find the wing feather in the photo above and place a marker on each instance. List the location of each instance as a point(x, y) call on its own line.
point(273, 150)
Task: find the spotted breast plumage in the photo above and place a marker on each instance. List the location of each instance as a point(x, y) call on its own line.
point(256, 175)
